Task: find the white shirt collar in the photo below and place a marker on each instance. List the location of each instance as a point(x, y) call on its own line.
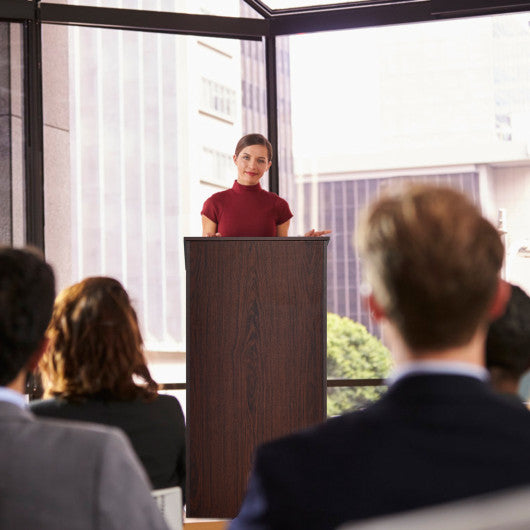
point(12, 396)
point(438, 367)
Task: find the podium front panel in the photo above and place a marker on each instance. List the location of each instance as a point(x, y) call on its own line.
point(256, 357)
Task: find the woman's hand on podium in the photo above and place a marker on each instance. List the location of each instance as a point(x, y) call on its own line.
point(217, 234)
point(316, 233)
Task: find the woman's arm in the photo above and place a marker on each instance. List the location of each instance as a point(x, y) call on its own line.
point(209, 228)
point(283, 229)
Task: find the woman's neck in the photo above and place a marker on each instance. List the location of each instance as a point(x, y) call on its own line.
point(246, 187)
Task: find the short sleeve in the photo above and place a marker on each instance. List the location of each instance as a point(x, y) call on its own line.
point(209, 210)
point(283, 212)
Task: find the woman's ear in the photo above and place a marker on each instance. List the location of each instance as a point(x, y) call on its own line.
point(500, 299)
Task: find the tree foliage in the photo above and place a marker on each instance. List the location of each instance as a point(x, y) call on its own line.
point(353, 353)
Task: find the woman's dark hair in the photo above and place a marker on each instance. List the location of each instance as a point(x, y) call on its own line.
point(95, 348)
point(508, 341)
point(254, 139)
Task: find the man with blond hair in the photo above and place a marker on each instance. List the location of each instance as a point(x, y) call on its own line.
point(439, 433)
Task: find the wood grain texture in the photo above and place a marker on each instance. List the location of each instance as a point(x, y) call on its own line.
point(256, 335)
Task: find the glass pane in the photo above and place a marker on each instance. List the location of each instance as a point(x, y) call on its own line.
point(353, 352)
point(226, 8)
point(12, 211)
point(350, 399)
point(140, 129)
point(445, 102)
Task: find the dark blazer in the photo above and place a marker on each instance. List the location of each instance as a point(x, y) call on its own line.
point(155, 429)
point(429, 439)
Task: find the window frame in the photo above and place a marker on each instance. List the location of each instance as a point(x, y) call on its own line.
point(275, 23)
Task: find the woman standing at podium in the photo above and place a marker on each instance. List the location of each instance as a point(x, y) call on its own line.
point(247, 210)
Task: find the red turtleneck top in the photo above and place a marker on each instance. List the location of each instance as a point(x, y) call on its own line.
point(246, 211)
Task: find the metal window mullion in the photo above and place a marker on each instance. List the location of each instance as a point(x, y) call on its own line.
point(16, 11)
point(154, 21)
point(33, 124)
point(272, 109)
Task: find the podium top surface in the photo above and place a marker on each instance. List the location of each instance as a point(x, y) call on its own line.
point(295, 238)
point(316, 242)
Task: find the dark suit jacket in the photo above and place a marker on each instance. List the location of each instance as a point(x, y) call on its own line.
point(430, 439)
point(155, 429)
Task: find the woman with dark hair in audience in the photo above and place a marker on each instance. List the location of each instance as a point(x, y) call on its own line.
point(508, 345)
point(94, 370)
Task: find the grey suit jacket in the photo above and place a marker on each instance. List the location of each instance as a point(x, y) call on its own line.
point(70, 475)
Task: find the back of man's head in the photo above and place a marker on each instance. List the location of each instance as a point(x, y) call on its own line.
point(27, 291)
point(433, 263)
point(508, 342)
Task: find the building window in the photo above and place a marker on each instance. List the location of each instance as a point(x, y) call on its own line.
point(218, 99)
point(218, 167)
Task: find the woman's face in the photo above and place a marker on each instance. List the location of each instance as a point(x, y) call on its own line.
point(251, 163)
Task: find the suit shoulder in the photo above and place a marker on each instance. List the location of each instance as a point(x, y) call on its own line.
point(44, 405)
point(90, 433)
point(169, 403)
point(314, 439)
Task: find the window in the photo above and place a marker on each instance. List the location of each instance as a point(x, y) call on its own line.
point(130, 157)
point(218, 100)
point(218, 167)
point(444, 102)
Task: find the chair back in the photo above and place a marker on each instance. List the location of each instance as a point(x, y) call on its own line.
point(169, 500)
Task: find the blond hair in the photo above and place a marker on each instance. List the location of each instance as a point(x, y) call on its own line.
point(433, 262)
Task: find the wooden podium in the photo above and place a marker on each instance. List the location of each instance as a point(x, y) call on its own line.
point(256, 356)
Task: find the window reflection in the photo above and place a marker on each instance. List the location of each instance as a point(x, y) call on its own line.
point(139, 129)
point(447, 102)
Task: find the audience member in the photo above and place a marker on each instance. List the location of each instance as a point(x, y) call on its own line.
point(439, 433)
point(56, 474)
point(95, 369)
point(508, 344)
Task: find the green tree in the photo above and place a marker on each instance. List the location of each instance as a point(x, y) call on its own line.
point(353, 353)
